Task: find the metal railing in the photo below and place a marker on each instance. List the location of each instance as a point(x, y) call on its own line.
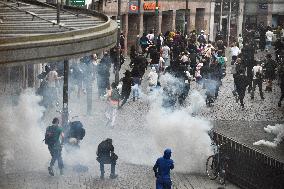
point(250, 168)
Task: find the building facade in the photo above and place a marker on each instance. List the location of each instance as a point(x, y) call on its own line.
point(138, 16)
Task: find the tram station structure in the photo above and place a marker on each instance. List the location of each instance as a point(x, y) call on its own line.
point(33, 32)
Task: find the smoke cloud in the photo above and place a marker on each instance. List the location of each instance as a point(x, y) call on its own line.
point(21, 135)
point(277, 130)
point(187, 136)
point(22, 132)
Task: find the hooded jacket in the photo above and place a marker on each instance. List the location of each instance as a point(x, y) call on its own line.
point(163, 166)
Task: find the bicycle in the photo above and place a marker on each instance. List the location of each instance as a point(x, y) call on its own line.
point(217, 165)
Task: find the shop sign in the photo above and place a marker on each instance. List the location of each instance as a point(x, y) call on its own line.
point(263, 5)
point(150, 5)
point(133, 7)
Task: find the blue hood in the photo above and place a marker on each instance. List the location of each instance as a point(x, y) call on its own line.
point(167, 153)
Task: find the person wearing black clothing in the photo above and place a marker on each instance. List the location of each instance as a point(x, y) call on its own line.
point(133, 54)
point(103, 69)
point(248, 58)
point(281, 78)
point(215, 73)
point(142, 63)
point(262, 42)
point(279, 49)
point(106, 155)
point(269, 66)
point(144, 42)
point(193, 63)
point(241, 82)
point(126, 87)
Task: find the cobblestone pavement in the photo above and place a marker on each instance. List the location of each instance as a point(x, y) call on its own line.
point(130, 177)
point(130, 125)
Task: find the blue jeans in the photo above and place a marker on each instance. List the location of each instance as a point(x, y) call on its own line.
point(163, 184)
point(268, 45)
point(112, 168)
point(55, 155)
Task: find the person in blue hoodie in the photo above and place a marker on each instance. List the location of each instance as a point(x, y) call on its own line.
point(162, 169)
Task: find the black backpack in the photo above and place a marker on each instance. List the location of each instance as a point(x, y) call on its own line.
point(115, 94)
point(50, 135)
point(77, 130)
point(201, 39)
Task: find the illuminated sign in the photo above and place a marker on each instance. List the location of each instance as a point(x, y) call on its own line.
point(133, 7)
point(150, 6)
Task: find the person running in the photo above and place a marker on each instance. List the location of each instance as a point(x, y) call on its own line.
point(281, 78)
point(166, 54)
point(235, 51)
point(257, 80)
point(113, 97)
point(269, 36)
point(54, 139)
point(162, 169)
point(126, 87)
point(269, 66)
point(241, 82)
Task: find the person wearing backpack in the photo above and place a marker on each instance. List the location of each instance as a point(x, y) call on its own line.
point(257, 80)
point(113, 97)
point(54, 139)
point(202, 37)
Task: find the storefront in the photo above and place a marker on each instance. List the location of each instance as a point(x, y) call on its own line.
point(171, 16)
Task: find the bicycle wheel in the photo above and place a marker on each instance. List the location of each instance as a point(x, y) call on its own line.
point(211, 168)
point(223, 172)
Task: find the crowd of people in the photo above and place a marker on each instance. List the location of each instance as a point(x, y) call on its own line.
point(187, 58)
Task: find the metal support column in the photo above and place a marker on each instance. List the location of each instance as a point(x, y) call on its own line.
point(156, 21)
point(58, 12)
point(186, 18)
point(221, 14)
point(229, 23)
point(118, 41)
point(65, 112)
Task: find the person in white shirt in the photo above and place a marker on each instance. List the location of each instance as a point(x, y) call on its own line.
point(161, 65)
point(257, 79)
point(166, 54)
point(240, 41)
point(151, 36)
point(235, 51)
point(269, 36)
point(52, 78)
point(184, 59)
point(153, 78)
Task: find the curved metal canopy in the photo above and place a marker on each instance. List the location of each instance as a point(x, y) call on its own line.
point(29, 32)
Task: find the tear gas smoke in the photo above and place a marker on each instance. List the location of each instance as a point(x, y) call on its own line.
point(186, 135)
point(159, 128)
point(277, 130)
point(21, 135)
